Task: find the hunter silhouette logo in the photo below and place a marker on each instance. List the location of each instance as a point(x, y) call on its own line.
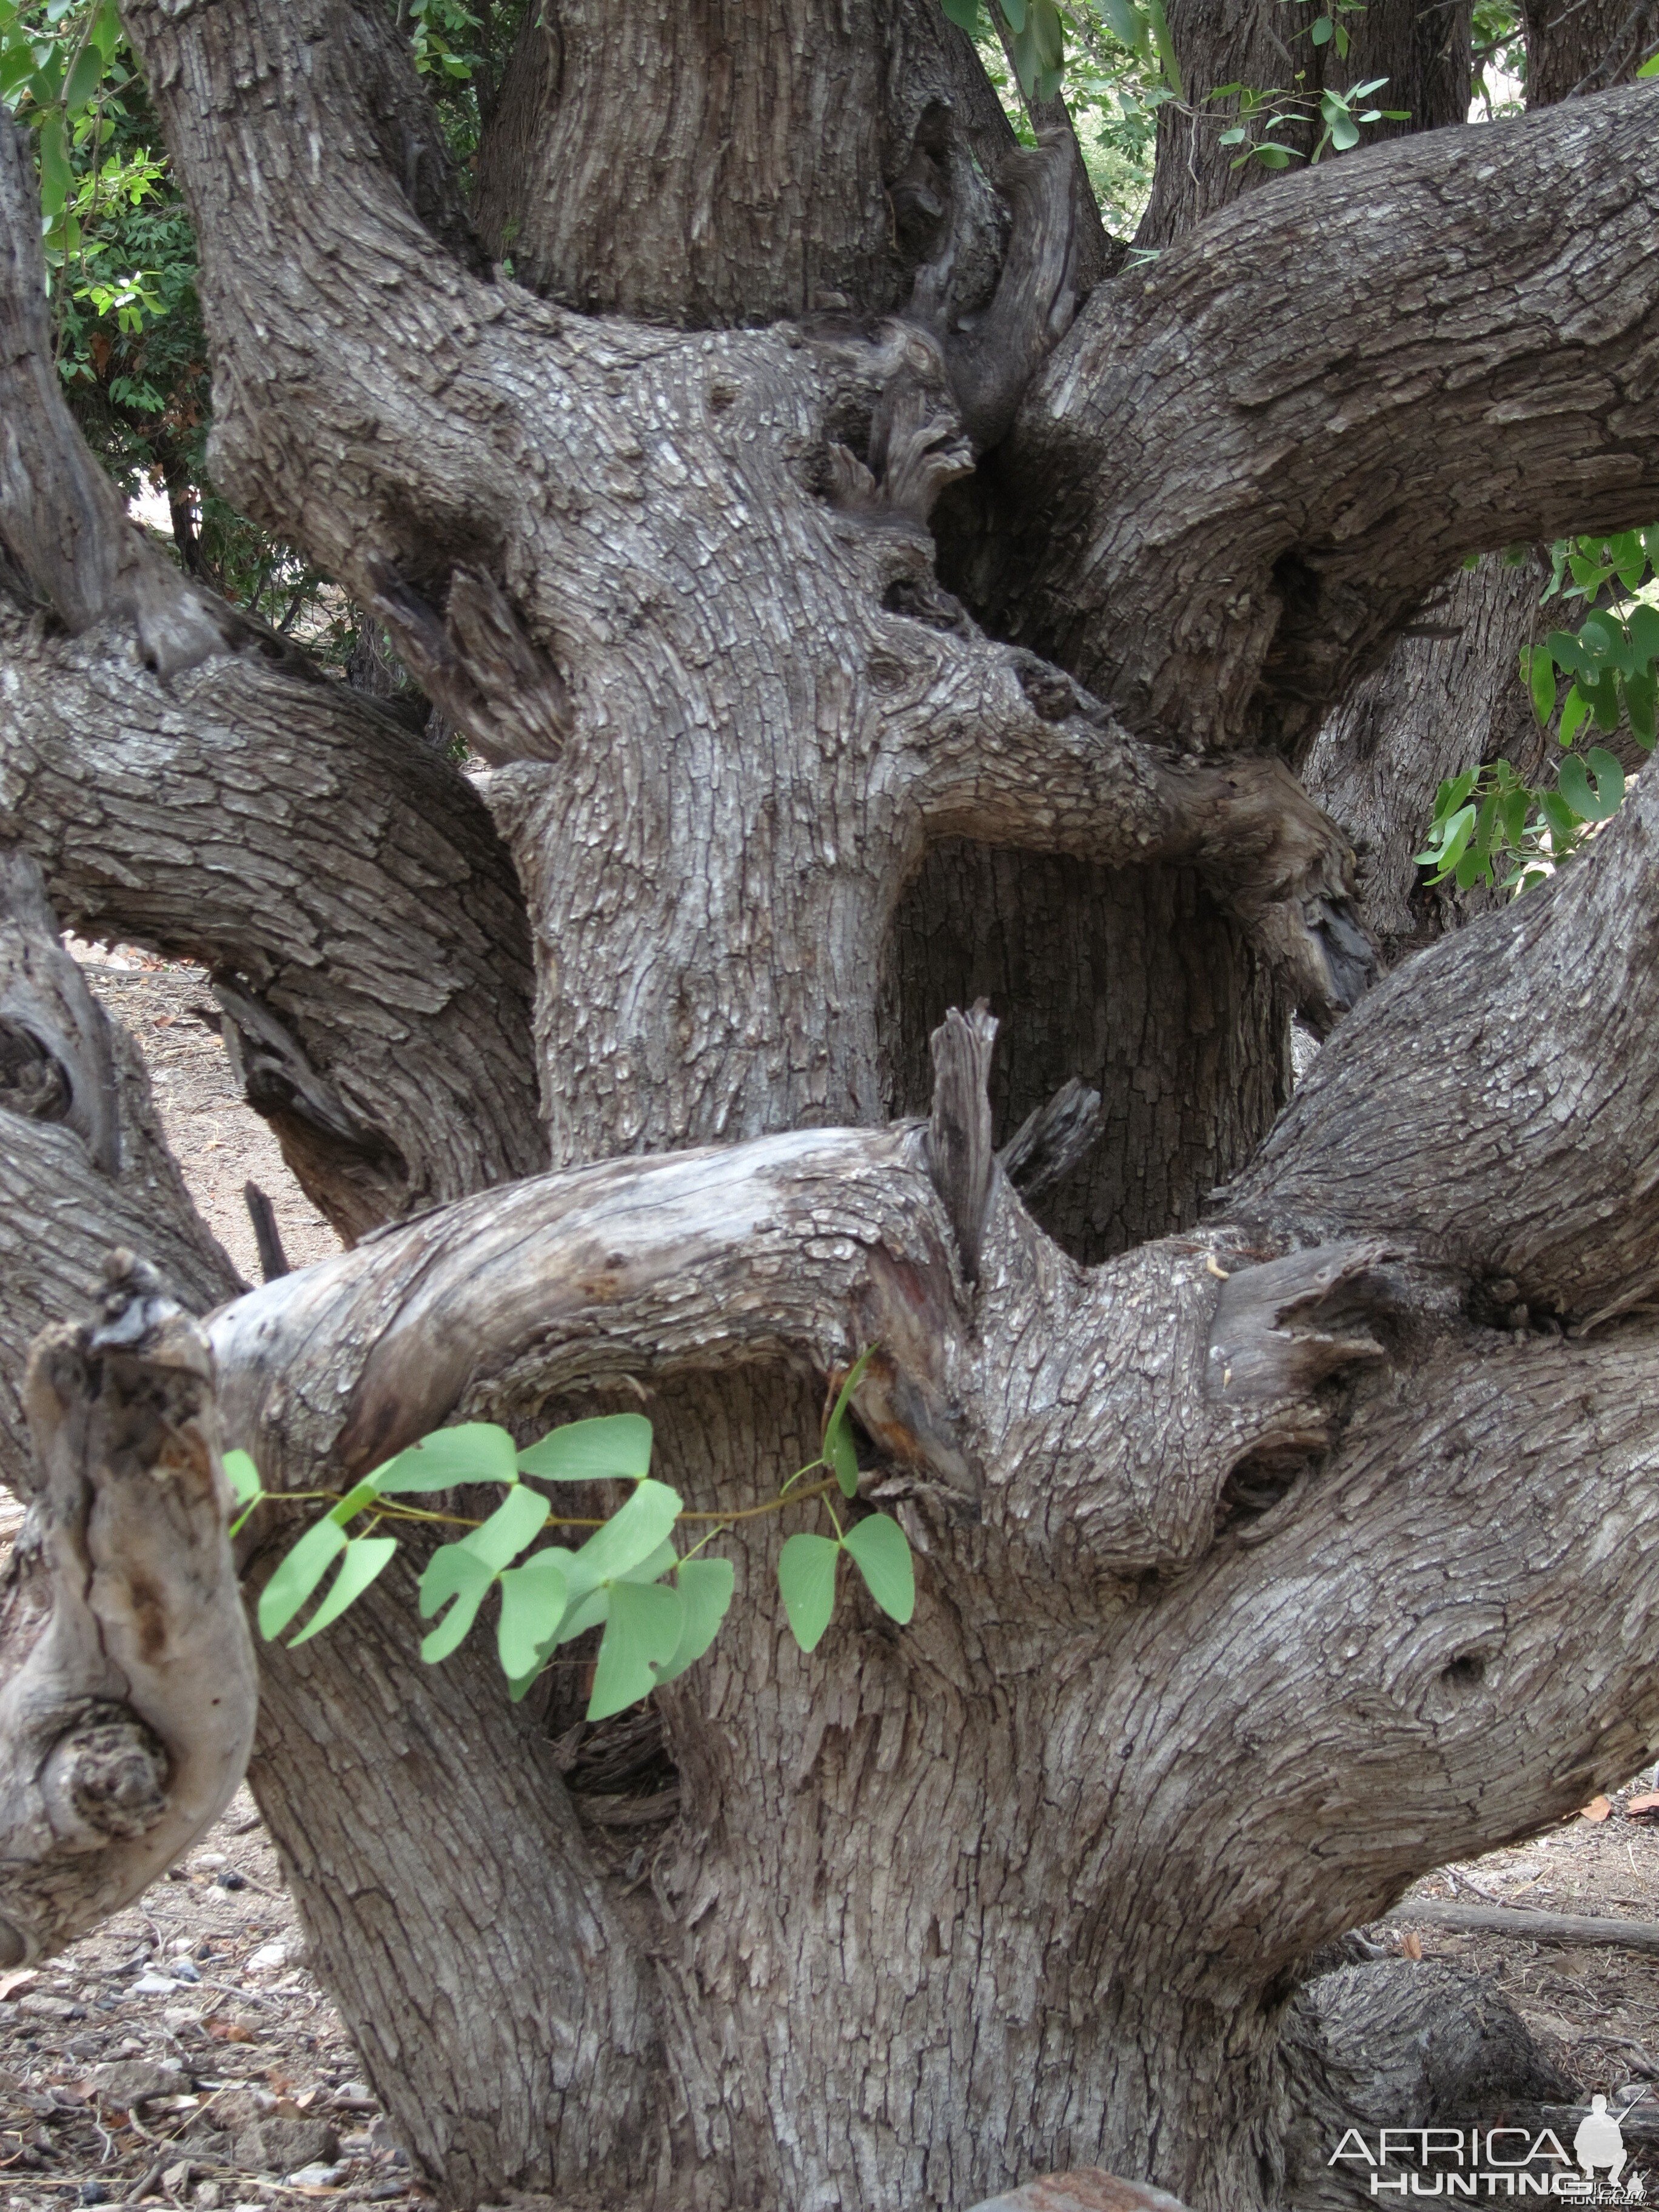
point(1600, 2142)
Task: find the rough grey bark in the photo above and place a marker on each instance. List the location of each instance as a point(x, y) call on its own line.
point(1026, 1886)
point(1262, 517)
point(1449, 695)
point(1446, 698)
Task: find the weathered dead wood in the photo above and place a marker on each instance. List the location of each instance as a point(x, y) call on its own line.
point(127, 1711)
point(960, 1158)
point(273, 1260)
point(1052, 1139)
point(57, 1063)
point(1280, 1329)
point(83, 1164)
point(1572, 1931)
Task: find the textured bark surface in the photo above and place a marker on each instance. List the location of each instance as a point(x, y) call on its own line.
point(1449, 695)
point(1261, 516)
point(1259, 1565)
point(1442, 702)
point(127, 1688)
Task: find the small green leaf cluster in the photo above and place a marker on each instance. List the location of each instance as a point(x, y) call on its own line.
point(658, 1610)
point(1036, 38)
point(1336, 116)
point(1490, 826)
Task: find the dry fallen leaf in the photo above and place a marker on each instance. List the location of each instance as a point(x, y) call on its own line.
point(1411, 1944)
point(21, 1978)
point(1645, 1807)
point(1597, 1809)
point(229, 2030)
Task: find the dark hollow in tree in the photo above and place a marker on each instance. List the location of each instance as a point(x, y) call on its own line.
point(1265, 1560)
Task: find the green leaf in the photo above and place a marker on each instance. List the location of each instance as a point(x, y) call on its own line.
point(838, 1443)
point(533, 1599)
point(1014, 14)
point(457, 1577)
point(1345, 132)
point(1599, 801)
point(1563, 822)
point(615, 1446)
point(806, 1578)
point(1165, 44)
point(86, 73)
point(1642, 708)
point(1575, 712)
point(365, 1493)
point(642, 1635)
point(298, 1575)
point(1650, 67)
point(1644, 626)
point(964, 14)
point(631, 1534)
point(243, 1477)
point(1540, 681)
point(1324, 29)
point(517, 1520)
point(1124, 23)
point(883, 1558)
point(56, 177)
point(1272, 156)
point(365, 1557)
point(474, 1451)
point(1050, 34)
point(705, 1585)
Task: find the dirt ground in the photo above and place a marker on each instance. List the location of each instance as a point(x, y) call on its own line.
point(183, 2055)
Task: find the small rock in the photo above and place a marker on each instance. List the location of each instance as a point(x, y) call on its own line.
point(92, 2192)
point(240, 2108)
point(130, 2081)
point(316, 2176)
point(209, 1861)
point(185, 1970)
point(209, 2195)
point(176, 2180)
point(278, 2146)
point(228, 1878)
point(269, 1958)
point(351, 2094)
point(49, 2007)
point(153, 1985)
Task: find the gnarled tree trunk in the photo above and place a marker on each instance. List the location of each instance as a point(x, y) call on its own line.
point(1262, 1563)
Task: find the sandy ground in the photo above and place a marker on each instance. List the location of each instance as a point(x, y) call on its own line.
point(248, 2092)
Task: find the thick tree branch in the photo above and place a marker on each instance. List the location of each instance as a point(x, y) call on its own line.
point(61, 518)
point(1497, 1102)
point(126, 1712)
point(371, 960)
point(1035, 762)
point(1248, 481)
point(345, 887)
point(83, 1165)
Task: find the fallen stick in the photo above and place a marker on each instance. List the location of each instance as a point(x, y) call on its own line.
point(1535, 1926)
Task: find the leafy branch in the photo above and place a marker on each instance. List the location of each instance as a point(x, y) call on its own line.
point(1490, 826)
point(659, 1609)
